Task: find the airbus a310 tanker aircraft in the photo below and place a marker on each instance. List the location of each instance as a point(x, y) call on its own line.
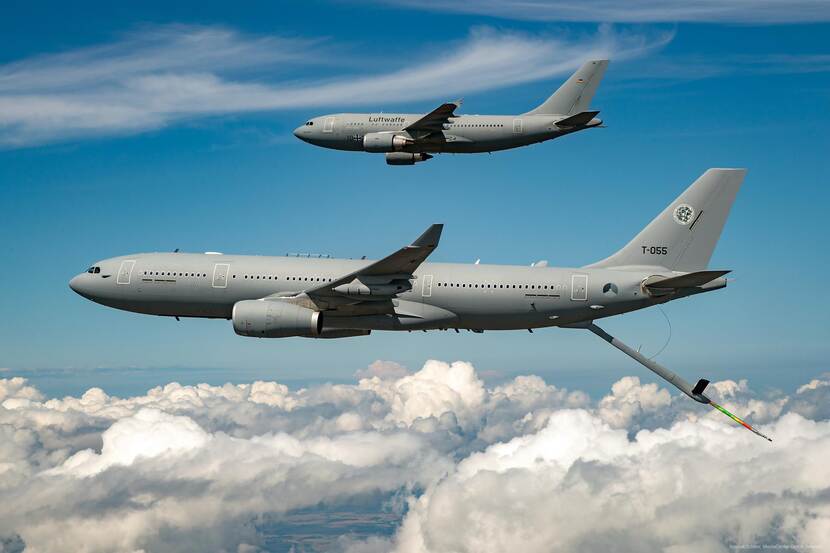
point(277, 297)
point(408, 138)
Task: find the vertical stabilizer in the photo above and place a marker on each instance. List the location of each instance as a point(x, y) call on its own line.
point(575, 95)
point(684, 235)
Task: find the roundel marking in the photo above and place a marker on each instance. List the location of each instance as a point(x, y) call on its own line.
point(684, 214)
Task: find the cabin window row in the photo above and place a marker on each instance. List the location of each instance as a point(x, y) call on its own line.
point(169, 273)
point(491, 286)
point(273, 277)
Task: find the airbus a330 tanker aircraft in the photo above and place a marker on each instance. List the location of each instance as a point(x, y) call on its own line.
point(407, 139)
point(277, 297)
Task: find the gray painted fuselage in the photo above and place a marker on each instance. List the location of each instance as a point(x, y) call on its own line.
point(443, 295)
point(466, 134)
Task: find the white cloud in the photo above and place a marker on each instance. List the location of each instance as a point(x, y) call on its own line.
point(157, 76)
point(637, 11)
point(382, 370)
point(523, 465)
point(436, 389)
point(579, 485)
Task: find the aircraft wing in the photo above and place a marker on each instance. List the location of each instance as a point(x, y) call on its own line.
point(371, 288)
point(435, 120)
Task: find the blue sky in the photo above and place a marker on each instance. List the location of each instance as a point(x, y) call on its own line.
point(159, 126)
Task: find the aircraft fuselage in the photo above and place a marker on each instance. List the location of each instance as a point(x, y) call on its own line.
point(465, 134)
point(442, 296)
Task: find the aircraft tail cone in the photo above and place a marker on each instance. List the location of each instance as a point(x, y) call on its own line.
point(738, 420)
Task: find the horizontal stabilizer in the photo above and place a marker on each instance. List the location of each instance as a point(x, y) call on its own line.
point(578, 120)
point(689, 280)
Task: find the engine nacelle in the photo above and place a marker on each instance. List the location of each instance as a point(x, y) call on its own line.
point(275, 319)
point(380, 142)
point(405, 158)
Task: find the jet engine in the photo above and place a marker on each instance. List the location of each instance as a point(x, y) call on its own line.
point(404, 158)
point(275, 319)
point(380, 142)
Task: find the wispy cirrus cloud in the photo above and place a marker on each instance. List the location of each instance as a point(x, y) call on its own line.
point(156, 76)
point(637, 11)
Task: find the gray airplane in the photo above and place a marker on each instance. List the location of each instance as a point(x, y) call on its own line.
point(278, 297)
point(407, 139)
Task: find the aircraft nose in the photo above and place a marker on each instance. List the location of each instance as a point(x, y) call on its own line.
point(80, 285)
point(300, 131)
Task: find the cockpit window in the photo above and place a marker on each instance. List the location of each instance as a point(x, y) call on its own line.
point(94, 270)
point(309, 123)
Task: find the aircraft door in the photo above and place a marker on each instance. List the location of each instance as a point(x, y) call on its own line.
point(220, 275)
point(579, 287)
point(517, 126)
point(125, 272)
point(328, 125)
point(426, 289)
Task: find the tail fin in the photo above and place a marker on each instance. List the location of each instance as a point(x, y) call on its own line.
point(684, 235)
point(575, 95)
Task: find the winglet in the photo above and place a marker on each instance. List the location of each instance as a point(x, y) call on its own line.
point(430, 237)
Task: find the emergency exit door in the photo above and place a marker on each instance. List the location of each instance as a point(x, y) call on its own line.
point(125, 272)
point(220, 275)
point(579, 287)
point(426, 290)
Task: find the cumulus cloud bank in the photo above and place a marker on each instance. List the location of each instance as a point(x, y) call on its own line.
point(638, 11)
point(523, 466)
point(156, 76)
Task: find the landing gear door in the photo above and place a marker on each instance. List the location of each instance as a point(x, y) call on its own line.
point(220, 275)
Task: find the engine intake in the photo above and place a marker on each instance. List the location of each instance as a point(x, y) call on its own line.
point(380, 142)
point(275, 319)
point(405, 158)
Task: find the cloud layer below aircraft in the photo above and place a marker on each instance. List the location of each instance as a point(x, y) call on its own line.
point(523, 465)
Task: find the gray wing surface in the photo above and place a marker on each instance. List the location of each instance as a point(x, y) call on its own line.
point(435, 120)
point(370, 289)
point(397, 266)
